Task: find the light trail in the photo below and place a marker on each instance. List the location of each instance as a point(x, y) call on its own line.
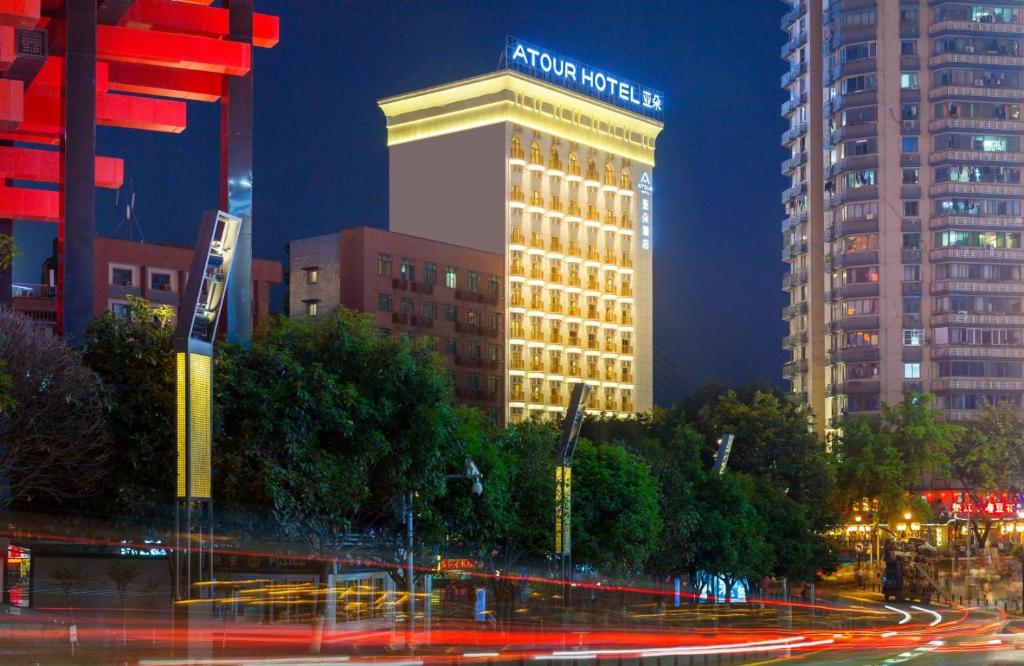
point(937, 616)
point(905, 614)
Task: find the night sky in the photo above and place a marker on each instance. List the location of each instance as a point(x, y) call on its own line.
point(321, 160)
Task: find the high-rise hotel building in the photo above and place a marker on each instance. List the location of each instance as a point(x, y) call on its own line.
point(558, 182)
point(903, 212)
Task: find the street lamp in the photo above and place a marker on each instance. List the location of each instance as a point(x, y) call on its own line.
point(471, 472)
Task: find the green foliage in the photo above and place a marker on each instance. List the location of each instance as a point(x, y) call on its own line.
point(7, 403)
point(990, 455)
point(921, 435)
point(616, 523)
point(322, 424)
point(8, 251)
point(134, 359)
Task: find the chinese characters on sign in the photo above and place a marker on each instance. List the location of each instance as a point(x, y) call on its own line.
point(583, 78)
point(646, 190)
point(995, 504)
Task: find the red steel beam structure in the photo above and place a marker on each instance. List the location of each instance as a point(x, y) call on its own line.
point(152, 57)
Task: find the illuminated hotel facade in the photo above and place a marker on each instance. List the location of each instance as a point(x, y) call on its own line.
point(559, 184)
point(903, 219)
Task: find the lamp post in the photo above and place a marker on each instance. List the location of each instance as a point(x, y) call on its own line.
point(472, 472)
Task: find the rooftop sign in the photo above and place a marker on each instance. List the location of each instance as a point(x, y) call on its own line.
point(582, 78)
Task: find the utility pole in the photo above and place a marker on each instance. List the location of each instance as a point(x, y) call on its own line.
point(563, 485)
point(410, 581)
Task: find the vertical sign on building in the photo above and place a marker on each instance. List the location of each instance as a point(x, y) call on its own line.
point(646, 190)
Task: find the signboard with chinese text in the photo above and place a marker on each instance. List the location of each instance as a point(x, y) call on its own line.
point(646, 190)
point(582, 78)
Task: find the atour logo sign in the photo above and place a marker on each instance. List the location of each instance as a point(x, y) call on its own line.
point(582, 78)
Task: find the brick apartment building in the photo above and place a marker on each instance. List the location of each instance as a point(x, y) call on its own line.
point(413, 287)
point(155, 271)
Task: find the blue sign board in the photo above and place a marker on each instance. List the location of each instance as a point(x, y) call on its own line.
point(582, 78)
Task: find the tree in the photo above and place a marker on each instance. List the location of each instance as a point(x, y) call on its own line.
point(921, 435)
point(55, 441)
point(68, 579)
point(730, 538)
point(616, 523)
point(123, 574)
point(8, 251)
point(989, 457)
point(870, 467)
point(358, 420)
point(134, 360)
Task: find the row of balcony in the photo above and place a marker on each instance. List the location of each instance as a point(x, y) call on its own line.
point(559, 398)
point(572, 369)
point(570, 279)
point(575, 340)
point(593, 218)
point(793, 279)
point(571, 170)
point(554, 245)
point(590, 313)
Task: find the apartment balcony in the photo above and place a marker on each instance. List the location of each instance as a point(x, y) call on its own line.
point(972, 156)
point(794, 340)
point(794, 368)
point(976, 253)
point(853, 355)
point(575, 370)
point(555, 164)
point(536, 303)
point(909, 256)
point(910, 191)
point(537, 365)
point(516, 332)
point(536, 335)
point(627, 319)
point(517, 395)
point(976, 92)
point(849, 259)
point(593, 254)
point(849, 100)
point(625, 222)
point(537, 242)
point(475, 297)
point(941, 124)
point(793, 103)
point(979, 384)
point(975, 28)
point(854, 228)
point(794, 250)
point(517, 237)
point(574, 280)
point(554, 205)
point(572, 172)
point(857, 323)
point(794, 191)
point(853, 194)
point(851, 68)
point(855, 290)
point(592, 373)
point(852, 163)
point(626, 261)
point(910, 225)
point(793, 133)
point(626, 291)
point(517, 300)
point(574, 249)
point(517, 195)
point(910, 288)
point(793, 279)
point(793, 73)
point(792, 15)
point(611, 348)
point(573, 210)
point(980, 189)
point(517, 268)
point(793, 44)
point(517, 363)
point(865, 131)
point(988, 59)
point(593, 345)
point(556, 245)
point(794, 162)
point(794, 310)
point(975, 221)
point(976, 319)
point(400, 318)
point(975, 287)
point(574, 340)
point(592, 313)
point(910, 63)
point(593, 178)
point(555, 307)
point(610, 317)
point(855, 387)
point(977, 352)
point(793, 220)
point(556, 277)
point(422, 322)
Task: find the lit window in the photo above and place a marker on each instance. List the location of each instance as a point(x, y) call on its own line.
point(312, 276)
point(908, 80)
point(451, 277)
point(494, 286)
point(121, 310)
point(160, 281)
point(910, 144)
point(407, 269)
point(913, 337)
point(383, 264)
point(473, 281)
point(912, 371)
point(311, 309)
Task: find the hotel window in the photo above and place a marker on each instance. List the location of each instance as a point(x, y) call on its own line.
point(473, 381)
point(312, 275)
point(908, 80)
point(911, 371)
point(384, 302)
point(429, 272)
point(494, 286)
point(407, 270)
point(408, 306)
point(430, 310)
point(451, 346)
point(473, 281)
point(451, 277)
point(473, 317)
point(383, 264)
point(494, 321)
point(473, 350)
point(494, 352)
point(494, 384)
point(121, 277)
point(451, 313)
point(913, 337)
point(160, 281)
